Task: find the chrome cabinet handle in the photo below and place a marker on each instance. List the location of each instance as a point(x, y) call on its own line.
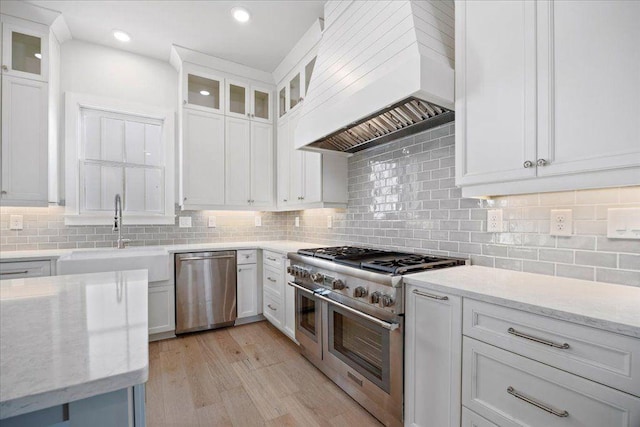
point(10, 273)
point(271, 279)
point(527, 164)
point(542, 162)
point(424, 294)
point(5, 68)
point(563, 346)
point(274, 309)
point(536, 403)
point(184, 102)
point(271, 259)
point(5, 192)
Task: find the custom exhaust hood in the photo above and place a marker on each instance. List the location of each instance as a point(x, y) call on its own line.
point(385, 69)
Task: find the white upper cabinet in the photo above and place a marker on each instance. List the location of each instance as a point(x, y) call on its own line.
point(237, 163)
point(547, 97)
point(283, 163)
point(202, 90)
point(238, 99)
point(261, 104)
point(588, 86)
point(25, 50)
point(262, 175)
point(203, 159)
point(24, 150)
point(292, 91)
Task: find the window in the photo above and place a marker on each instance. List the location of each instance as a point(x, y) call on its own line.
point(118, 149)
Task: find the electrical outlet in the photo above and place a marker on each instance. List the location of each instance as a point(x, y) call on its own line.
point(329, 221)
point(212, 222)
point(297, 221)
point(15, 222)
point(494, 220)
point(185, 222)
point(561, 223)
point(258, 221)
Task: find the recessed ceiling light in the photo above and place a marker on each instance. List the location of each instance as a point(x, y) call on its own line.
point(204, 92)
point(38, 55)
point(121, 35)
point(240, 14)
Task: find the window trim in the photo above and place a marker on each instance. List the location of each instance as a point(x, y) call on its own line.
point(74, 103)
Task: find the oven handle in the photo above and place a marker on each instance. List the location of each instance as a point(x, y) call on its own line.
point(386, 325)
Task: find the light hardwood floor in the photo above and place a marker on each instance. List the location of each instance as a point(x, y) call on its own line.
point(249, 375)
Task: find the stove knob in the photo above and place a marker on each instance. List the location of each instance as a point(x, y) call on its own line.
point(387, 301)
point(337, 284)
point(360, 292)
point(290, 270)
point(317, 278)
point(304, 274)
point(375, 297)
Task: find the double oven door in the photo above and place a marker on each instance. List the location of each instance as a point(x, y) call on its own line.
point(362, 354)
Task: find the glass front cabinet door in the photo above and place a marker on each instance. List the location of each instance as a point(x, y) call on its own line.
point(202, 90)
point(261, 104)
point(25, 51)
point(238, 100)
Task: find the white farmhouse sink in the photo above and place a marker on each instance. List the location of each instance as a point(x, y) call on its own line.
point(155, 260)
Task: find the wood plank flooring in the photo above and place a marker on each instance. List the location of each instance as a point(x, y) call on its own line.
point(246, 376)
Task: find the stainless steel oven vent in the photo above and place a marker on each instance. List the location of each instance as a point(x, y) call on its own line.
point(407, 117)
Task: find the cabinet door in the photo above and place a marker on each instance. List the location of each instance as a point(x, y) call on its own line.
point(25, 51)
point(261, 105)
point(203, 154)
point(433, 358)
point(495, 91)
point(312, 168)
point(238, 161)
point(295, 90)
point(296, 180)
point(238, 99)
point(161, 309)
point(283, 105)
point(24, 142)
point(589, 86)
point(247, 293)
point(261, 164)
point(283, 162)
point(202, 90)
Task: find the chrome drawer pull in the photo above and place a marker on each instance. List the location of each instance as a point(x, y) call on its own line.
point(424, 294)
point(537, 404)
point(563, 346)
point(13, 272)
point(271, 259)
point(271, 279)
point(274, 309)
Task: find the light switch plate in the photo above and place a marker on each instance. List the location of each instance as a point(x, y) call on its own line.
point(212, 222)
point(329, 221)
point(15, 222)
point(185, 222)
point(561, 222)
point(297, 221)
point(494, 220)
point(258, 221)
point(623, 223)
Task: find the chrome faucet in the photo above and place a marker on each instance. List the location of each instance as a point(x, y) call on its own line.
point(117, 224)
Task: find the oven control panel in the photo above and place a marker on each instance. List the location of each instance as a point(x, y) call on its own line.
point(385, 297)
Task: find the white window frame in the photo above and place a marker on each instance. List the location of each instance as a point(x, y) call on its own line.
point(74, 103)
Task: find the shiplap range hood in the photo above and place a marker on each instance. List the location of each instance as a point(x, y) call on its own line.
point(385, 69)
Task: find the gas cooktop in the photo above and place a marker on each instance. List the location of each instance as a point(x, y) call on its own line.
point(381, 261)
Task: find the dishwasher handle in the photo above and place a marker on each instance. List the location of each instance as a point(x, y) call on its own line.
point(197, 258)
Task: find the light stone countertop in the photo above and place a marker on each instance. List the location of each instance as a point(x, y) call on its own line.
point(65, 338)
point(601, 305)
point(281, 246)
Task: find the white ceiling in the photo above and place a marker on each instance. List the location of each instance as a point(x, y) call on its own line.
point(205, 26)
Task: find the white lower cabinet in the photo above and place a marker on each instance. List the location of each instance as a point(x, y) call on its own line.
point(278, 297)
point(512, 390)
point(471, 419)
point(24, 269)
point(433, 328)
point(247, 290)
point(162, 316)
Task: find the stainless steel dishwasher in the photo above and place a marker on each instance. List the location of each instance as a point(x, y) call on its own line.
point(205, 290)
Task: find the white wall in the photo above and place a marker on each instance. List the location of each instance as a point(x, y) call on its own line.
point(103, 71)
point(97, 70)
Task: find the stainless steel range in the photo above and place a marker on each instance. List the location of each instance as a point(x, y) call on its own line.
point(349, 319)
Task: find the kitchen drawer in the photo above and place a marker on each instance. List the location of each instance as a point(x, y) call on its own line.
point(272, 309)
point(22, 269)
point(247, 257)
point(471, 419)
point(273, 259)
point(598, 355)
point(272, 280)
point(511, 390)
